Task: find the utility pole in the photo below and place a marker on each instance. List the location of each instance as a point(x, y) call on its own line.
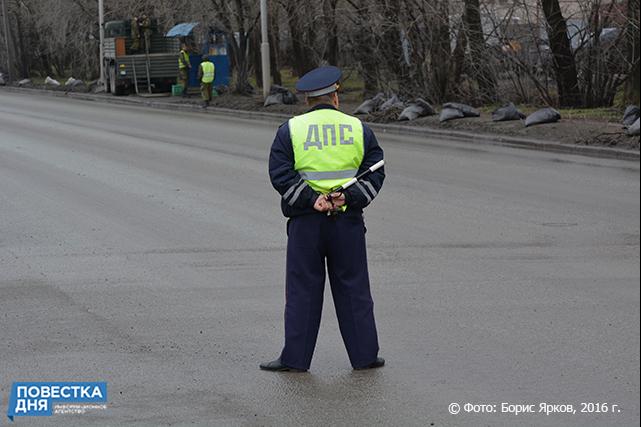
point(101, 22)
point(5, 20)
point(264, 48)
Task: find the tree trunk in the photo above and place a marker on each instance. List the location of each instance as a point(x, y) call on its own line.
point(274, 46)
point(23, 67)
point(9, 60)
point(256, 63)
point(364, 48)
point(242, 61)
point(242, 64)
point(563, 58)
point(633, 54)
point(458, 56)
point(237, 47)
point(440, 52)
point(481, 70)
point(330, 51)
point(392, 42)
point(301, 39)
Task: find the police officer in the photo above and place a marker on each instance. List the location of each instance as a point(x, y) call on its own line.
point(312, 155)
point(184, 65)
point(206, 74)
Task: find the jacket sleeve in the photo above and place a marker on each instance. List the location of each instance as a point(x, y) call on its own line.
point(365, 190)
point(294, 190)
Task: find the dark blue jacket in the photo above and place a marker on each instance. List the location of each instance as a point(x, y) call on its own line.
point(298, 198)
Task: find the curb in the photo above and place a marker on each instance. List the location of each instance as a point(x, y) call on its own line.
point(527, 143)
point(511, 141)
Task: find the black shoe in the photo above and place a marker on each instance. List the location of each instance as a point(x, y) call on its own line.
point(379, 362)
point(277, 366)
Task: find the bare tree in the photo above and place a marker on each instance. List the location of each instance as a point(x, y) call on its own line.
point(481, 68)
point(363, 45)
point(274, 43)
point(302, 35)
point(632, 50)
point(239, 19)
point(563, 58)
point(331, 46)
point(468, 50)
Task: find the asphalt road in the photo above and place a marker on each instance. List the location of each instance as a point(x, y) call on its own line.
point(146, 249)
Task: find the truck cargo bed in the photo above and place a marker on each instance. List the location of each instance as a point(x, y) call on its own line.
point(161, 65)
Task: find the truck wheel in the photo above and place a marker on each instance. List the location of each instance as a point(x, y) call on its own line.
point(107, 79)
point(112, 80)
point(107, 85)
point(121, 90)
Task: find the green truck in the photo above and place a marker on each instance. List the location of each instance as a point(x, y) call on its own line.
point(144, 63)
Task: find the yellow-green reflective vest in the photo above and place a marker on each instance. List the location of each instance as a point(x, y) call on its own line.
point(208, 71)
point(328, 148)
point(183, 59)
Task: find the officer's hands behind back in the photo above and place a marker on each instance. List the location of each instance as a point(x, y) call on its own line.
point(337, 200)
point(334, 201)
point(322, 204)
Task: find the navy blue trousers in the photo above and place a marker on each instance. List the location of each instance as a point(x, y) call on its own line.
point(314, 242)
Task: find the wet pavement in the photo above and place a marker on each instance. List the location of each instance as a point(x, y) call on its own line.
point(146, 248)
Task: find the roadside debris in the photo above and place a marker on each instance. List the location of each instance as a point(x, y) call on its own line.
point(24, 82)
point(280, 95)
point(630, 115)
point(507, 112)
point(450, 114)
point(370, 105)
point(633, 130)
point(72, 83)
point(273, 99)
point(95, 87)
point(392, 103)
point(418, 108)
point(463, 108)
point(544, 115)
point(51, 82)
point(455, 110)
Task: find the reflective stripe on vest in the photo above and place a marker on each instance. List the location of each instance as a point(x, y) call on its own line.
point(208, 72)
point(328, 148)
point(183, 59)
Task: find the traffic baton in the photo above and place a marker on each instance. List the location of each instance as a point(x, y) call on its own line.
point(353, 181)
